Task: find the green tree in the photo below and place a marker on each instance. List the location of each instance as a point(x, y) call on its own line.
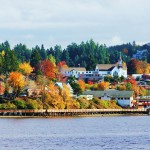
point(35, 59)
point(128, 86)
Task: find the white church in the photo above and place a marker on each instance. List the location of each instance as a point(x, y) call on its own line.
point(101, 70)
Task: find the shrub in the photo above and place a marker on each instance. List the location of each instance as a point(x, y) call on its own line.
point(20, 104)
point(8, 105)
point(32, 104)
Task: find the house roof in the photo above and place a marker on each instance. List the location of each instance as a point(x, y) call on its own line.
point(104, 67)
point(74, 68)
point(60, 84)
point(112, 93)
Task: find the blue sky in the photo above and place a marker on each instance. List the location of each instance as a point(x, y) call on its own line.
point(62, 22)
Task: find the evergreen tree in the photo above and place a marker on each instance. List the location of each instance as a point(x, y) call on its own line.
point(35, 59)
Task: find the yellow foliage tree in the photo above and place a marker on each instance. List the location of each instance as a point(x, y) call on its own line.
point(142, 91)
point(122, 88)
point(3, 53)
point(25, 68)
point(53, 97)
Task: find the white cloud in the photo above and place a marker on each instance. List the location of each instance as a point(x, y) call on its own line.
point(116, 40)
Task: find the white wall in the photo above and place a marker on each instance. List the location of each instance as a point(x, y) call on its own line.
point(125, 102)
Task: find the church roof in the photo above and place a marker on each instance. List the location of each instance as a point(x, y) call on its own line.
point(74, 68)
point(106, 67)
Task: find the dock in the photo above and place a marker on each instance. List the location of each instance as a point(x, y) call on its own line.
point(72, 112)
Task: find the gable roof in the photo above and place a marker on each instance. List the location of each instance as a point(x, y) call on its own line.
point(74, 68)
point(112, 93)
point(106, 67)
point(60, 84)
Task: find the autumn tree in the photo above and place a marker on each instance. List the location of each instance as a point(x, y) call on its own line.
point(125, 51)
point(25, 68)
point(121, 87)
point(53, 98)
point(48, 69)
point(52, 59)
point(2, 88)
point(103, 85)
point(134, 66)
point(66, 95)
point(81, 84)
point(16, 81)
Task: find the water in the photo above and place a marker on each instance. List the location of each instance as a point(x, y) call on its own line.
point(85, 133)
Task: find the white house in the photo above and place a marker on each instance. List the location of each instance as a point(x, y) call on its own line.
point(140, 54)
point(73, 71)
point(123, 98)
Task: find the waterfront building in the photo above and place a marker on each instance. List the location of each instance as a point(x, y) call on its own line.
point(123, 98)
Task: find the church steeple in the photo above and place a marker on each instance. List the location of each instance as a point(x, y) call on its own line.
point(120, 61)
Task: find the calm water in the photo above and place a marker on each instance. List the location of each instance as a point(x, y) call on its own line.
point(97, 133)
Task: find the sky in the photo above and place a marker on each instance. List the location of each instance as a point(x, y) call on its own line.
point(62, 22)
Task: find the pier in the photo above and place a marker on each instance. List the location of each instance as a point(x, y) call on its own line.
point(72, 112)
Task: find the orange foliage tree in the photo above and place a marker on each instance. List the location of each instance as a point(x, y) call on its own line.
point(81, 84)
point(103, 85)
point(60, 77)
point(2, 88)
point(48, 69)
point(16, 80)
point(139, 67)
point(125, 51)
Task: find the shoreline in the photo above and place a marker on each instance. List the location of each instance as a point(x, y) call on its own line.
point(75, 116)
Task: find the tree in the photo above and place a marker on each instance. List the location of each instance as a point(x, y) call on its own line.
point(10, 62)
point(2, 88)
point(128, 86)
point(76, 88)
point(81, 84)
point(48, 69)
point(52, 59)
point(35, 59)
point(121, 87)
point(103, 85)
point(53, 98)
point(25, 68)
point(17, 81)
point(43, 52)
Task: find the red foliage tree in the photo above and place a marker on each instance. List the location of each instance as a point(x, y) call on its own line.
point(90, 82)
point(48, 69)
point(62, 63)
